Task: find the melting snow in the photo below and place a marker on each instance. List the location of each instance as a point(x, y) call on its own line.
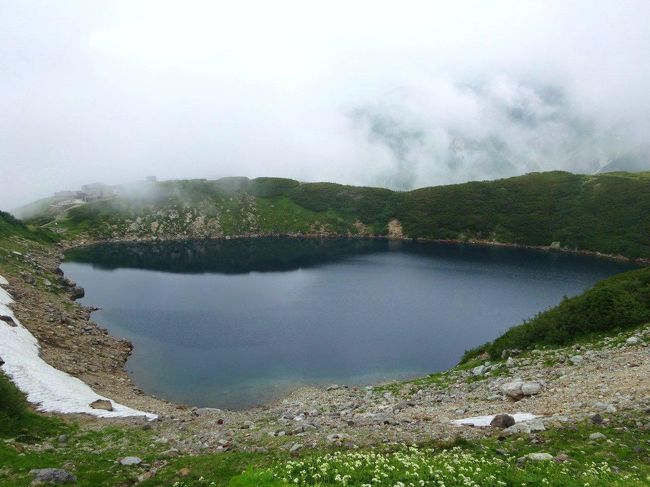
point(486, 420)
point(51, 389)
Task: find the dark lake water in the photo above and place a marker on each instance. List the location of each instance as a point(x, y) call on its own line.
point(240, 322)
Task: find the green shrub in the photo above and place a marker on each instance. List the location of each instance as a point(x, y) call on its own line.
point(17, 419)
point(13, 405)
point(619, 302)
point(11, 226)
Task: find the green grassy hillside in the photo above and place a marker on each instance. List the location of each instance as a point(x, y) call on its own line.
point(12, 227)
point(619, 302)
point(607, 213)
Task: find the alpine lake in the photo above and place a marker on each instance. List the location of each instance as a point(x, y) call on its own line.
point(241, 322)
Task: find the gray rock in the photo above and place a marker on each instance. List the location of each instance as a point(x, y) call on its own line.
point(536, 425)
point(518, 428)
point(608, 408)
point(510, 362)
point(102, 404)
point(479, 370)
point(561, 458)
point(513, 389)
point(337, 437)
point(207, 411)
point(633, 340)
point(296, 447)
point(597, 436)
point(8, 319)
point(576, 359)
point(303, 428)
point(597, 419)
point(539, 457)
point(502, 421)
point(131, 461)
point(403, 405)
point(531, 388)
point(526, 427)
point(52, 476)
point(77, 292)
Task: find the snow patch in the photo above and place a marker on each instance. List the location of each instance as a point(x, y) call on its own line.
point(486, 420)
point(51, 389)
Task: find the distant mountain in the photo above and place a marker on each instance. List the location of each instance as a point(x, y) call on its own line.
point(633, 161)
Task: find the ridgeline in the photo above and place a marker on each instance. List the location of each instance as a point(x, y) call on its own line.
point(605, 213)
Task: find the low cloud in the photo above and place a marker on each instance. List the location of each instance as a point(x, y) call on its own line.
point(372, 93)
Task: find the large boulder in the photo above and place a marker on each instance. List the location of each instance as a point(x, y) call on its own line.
point(531, 388)
point(77, 292)
point(526, 427)
point(104, 404)
point(479, 370)
point(127, 461)
point(517, 389)
point(513, 389)
point(502, 421)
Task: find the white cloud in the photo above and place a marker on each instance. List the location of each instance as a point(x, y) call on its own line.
point(363, 92)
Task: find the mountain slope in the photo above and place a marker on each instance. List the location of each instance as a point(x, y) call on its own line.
point(607, 213)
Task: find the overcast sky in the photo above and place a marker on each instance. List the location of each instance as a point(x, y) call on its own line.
point(400, 94)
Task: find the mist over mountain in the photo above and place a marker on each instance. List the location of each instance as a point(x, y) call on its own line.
point(374, 93)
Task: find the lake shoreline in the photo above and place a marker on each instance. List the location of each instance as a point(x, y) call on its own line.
point(107, 271)
point(72, 244)
point(471, 243)
point(341, 414)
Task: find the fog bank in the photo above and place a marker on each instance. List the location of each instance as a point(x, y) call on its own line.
point(371, 92)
